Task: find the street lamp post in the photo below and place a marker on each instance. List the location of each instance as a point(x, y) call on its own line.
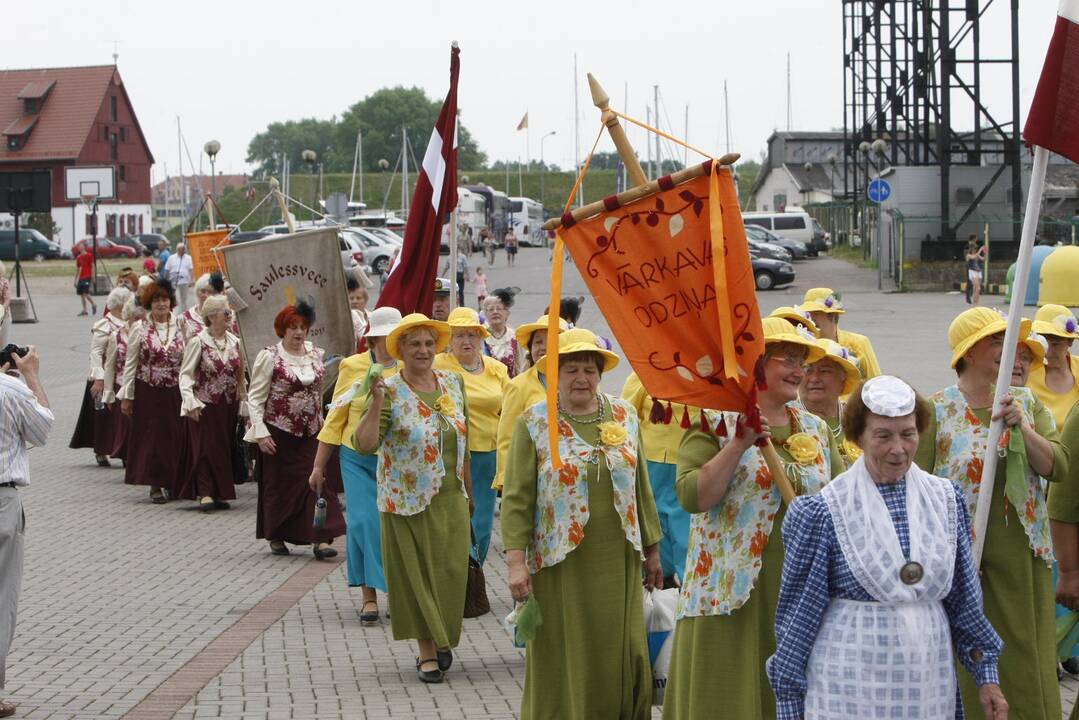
point(543, 169)
point(211, 148)
point(310, 157)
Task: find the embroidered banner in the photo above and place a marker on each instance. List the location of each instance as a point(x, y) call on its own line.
point(200, 247)
point(651, 268)
point(278, 270)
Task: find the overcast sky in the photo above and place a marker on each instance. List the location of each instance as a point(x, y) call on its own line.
point(227, 69)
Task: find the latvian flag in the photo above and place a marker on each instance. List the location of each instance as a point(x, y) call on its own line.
point(1053, 122)
point(410, 286)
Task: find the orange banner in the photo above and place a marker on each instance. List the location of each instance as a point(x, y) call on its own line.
point(199, 247)
point(690, 327)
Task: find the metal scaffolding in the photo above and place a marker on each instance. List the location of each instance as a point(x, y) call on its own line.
point(911, 69)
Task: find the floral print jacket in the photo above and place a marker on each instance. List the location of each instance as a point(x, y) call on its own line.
point(562, 496)
point(410, 464)
point(960, 452)
point(727, 541)
point(154, 355)
point(212, 372)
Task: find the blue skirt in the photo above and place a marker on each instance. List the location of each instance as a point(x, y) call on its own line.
point(485, 497)
point(364, 535)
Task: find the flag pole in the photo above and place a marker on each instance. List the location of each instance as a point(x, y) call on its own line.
point(1011, 341)
point(453, 225)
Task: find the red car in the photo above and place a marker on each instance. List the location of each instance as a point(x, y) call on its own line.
point(105, 248)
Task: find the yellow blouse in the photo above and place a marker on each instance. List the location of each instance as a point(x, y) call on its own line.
point(522, 392)
point(661, 440)
point(340, 425)
point(484, 392)
point(1059, 404)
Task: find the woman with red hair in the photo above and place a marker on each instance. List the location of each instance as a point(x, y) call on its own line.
point(284, 404)
point(150, 395)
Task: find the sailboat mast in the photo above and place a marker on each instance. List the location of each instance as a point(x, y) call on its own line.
point(655, 116)
point(726, 118)
point(404, 171)
point(576, 131)
point(685, 151)
point(183, 193)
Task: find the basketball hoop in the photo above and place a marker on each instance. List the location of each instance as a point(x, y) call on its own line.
point(89, 199)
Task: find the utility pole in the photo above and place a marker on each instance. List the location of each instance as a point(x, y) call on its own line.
point(789, 114)
point(655, 114)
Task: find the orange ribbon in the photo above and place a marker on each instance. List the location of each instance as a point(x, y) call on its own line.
point(719, 270)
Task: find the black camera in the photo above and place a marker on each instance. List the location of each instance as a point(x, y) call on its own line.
point(7, 355)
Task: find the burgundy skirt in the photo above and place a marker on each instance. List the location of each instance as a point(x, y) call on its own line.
point(156, 447)
point(121, 426)
point(286, 504)
point(94, 428)
point(209, 454)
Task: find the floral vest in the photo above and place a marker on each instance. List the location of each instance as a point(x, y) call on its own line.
point(726, 543)
point(191, 323)
point(216, 379)
point(121, 356)
point(562, 497)
point(292, 406)
point(506, 352)
point(960, 453)
point(410, 465)
point(159, 362)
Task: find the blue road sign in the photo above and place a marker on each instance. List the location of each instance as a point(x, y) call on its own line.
point(879, 190)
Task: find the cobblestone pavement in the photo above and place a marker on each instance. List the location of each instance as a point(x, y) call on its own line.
point(120, 595)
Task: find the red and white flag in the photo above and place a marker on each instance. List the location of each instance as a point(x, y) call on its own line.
point(1053, 122)
point(410, 286)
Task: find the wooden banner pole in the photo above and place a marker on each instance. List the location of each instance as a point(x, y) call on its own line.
point(602, 100)
point(275, 188)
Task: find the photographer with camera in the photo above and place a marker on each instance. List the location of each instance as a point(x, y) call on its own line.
point(25, 419)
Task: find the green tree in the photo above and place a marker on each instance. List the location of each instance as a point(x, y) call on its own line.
point(746, 173)
point(380, 116)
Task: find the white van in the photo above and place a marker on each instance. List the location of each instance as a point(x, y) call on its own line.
point(796, 225)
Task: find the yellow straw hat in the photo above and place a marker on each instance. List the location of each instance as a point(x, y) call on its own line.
point(524, 332)
point(822, 300)
point(580, 340)
point(845, 359)
point(976, 324)
point(464, 318)
point(1056, 320)
point(778, 330)
point(411, 322)
point(796, 316)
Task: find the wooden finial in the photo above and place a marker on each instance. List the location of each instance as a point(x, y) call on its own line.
point(600, 98)
point(603, 101)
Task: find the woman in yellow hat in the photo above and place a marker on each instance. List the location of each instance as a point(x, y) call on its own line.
point(726, 610)
point(358, 470)
point(576, 539)
point(485, 383)
point(418, 422)
point(825, 307)
point(525, 390)
point(1056, 383)
point(797, 317)
point(826, 381)
point(1016, 564)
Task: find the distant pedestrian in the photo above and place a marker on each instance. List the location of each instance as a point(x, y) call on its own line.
point(25, 419)
point(975, 269)
point(511, 247)
point(162, 253)
point(84, 273)
point(489, 245)
point(462, 276)
point(128, 278)
point(179, 270)
point(357, 304)
point(480, 280)
point(149, 267)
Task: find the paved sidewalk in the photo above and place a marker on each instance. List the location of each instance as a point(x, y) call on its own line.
point(119, 595)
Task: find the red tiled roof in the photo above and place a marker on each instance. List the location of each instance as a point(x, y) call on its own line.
point(204, 182)
point(20, 125)
point(66, 117)
point(36, 89)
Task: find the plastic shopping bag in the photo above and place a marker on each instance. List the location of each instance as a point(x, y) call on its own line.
point(524, 621)
point(659, 608)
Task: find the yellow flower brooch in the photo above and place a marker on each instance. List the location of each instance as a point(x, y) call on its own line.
point(612, 434)
point(444, 404)
point(804, 448)
point(850, 450)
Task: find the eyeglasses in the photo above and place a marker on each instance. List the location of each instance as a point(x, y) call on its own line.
point(791, 362)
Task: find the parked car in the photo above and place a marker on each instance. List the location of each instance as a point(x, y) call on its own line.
point(106, 248)
point(797, 249)
point(32, 246)
point(377, 251)
point(766, 249)
point(386, 234)
point(769, 274)
point(793, 225)
point(242, 237)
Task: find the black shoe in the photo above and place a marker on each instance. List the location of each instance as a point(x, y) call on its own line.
point(1071, 665)
point(445, 660)
point(281, 549)
point(158, 499)
point(428, 676)
point(324, 553)
point(103, 461)
point(369, 619)
point(221, 505)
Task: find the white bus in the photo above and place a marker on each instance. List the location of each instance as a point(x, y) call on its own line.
point(526, 219)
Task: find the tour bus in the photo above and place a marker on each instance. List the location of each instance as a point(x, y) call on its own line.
point(496, 210)
point(471, 214)
point(527, 221)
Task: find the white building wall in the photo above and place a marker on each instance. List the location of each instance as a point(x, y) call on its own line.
point(71, 221)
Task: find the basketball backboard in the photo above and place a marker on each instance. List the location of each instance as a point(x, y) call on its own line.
point(83, 180)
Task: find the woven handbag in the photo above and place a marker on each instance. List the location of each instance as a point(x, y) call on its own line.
point(476, 602)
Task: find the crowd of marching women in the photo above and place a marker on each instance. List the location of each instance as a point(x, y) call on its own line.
point(858, 598)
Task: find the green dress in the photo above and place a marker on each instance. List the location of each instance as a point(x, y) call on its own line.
point(717, 667)
point(1064, 495)
point(1017, 591)
point(425, 556)
point(590, 656)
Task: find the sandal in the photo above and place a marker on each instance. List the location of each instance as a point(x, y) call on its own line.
point(206, 504)
point(158, 499)
point(428, 676)
point(277, 547)
point(369, 619)
point(102, 461)
point(7, 709)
